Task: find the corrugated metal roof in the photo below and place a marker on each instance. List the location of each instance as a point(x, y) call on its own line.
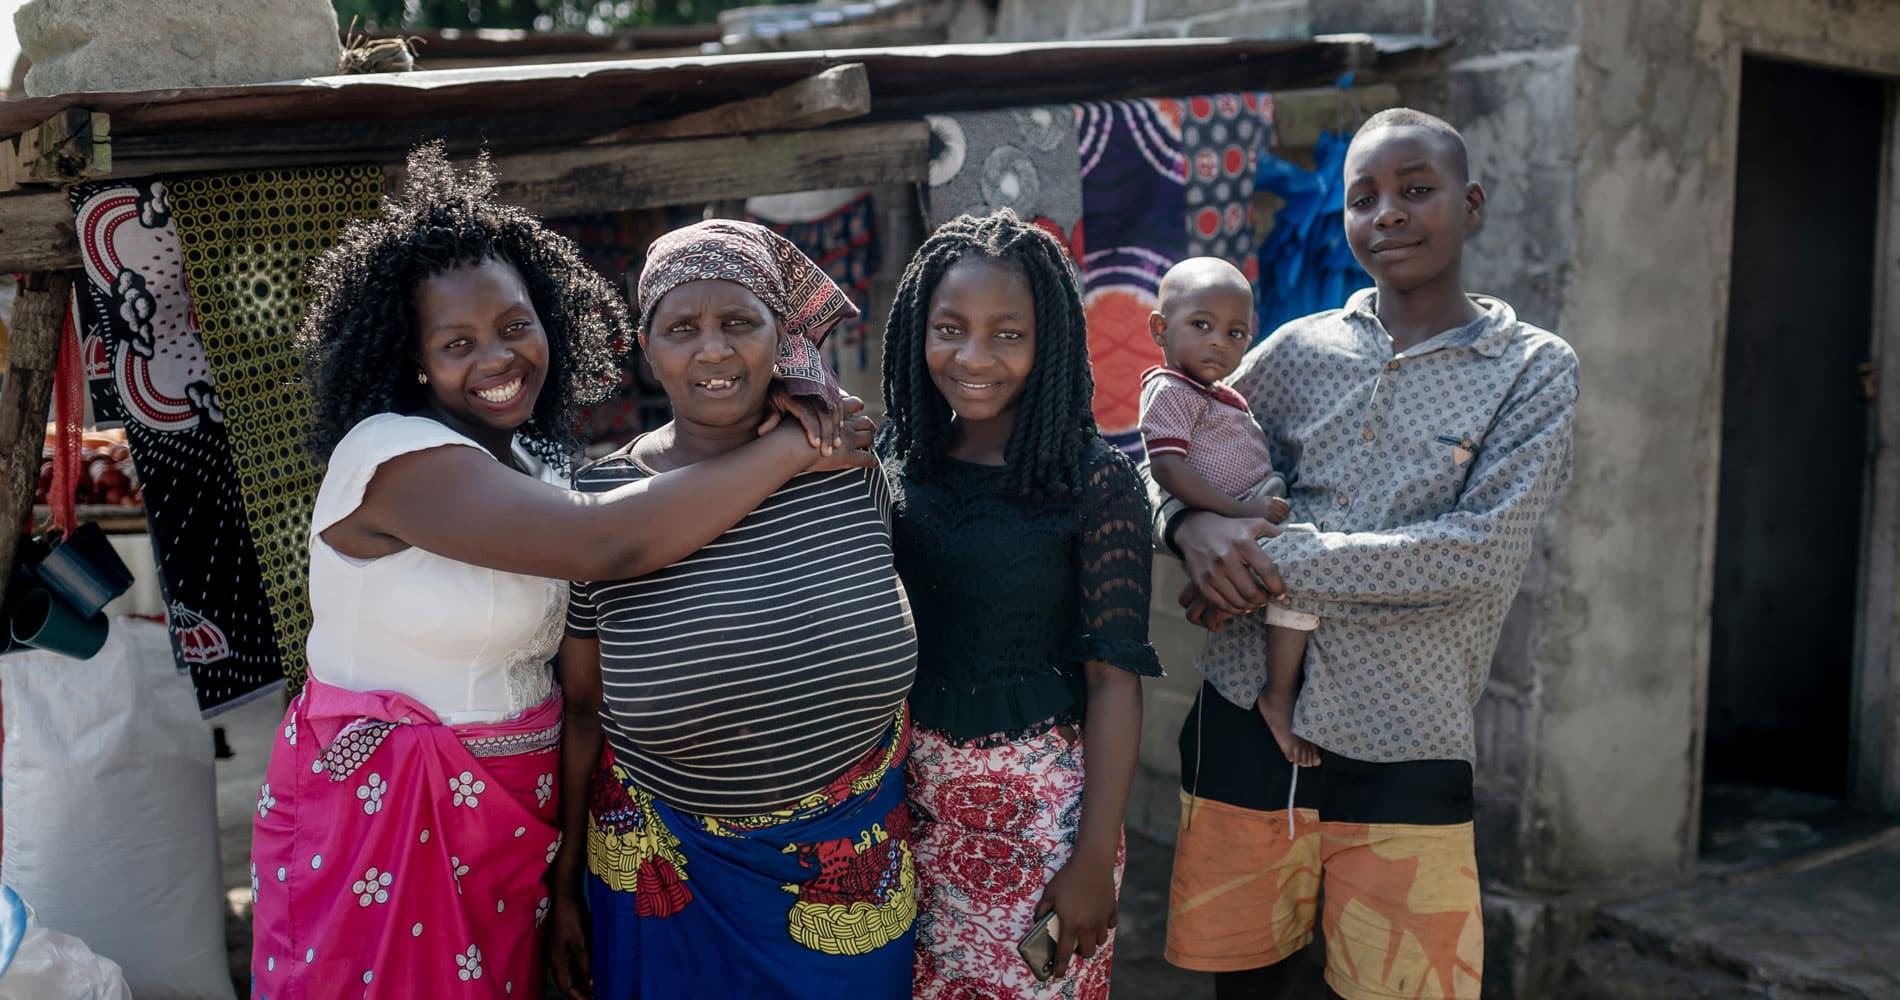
point(557, 102)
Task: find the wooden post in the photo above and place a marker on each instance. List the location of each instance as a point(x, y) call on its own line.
point(38, 316)
point(900, 231)
point(70, 146)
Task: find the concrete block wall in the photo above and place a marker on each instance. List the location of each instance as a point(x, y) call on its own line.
point(1046, 20)
point(1623, 670)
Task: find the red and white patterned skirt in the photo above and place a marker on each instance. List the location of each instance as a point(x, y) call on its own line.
point(995, 823)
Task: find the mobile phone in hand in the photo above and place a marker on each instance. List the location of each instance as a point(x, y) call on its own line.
point(1038, 947)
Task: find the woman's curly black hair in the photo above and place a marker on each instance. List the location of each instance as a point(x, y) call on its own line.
point(359, 331)
point(1055, 422)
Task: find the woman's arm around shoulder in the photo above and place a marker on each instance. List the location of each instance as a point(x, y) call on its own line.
point(459, 502)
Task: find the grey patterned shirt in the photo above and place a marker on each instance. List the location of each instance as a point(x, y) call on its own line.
point(1416, 482)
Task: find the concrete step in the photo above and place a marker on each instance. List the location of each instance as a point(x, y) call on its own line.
point(1833, 931)
point(1609, 968)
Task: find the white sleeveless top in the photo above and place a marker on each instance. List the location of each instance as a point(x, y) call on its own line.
point(471, 643)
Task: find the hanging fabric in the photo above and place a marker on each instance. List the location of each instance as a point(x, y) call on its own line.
point(69, 413)
point(1305, 264)
point(248, 238)
point(147, 370)
point(1022, 159)
point(1162, 180)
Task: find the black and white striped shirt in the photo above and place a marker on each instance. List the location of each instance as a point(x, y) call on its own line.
point(749, 674)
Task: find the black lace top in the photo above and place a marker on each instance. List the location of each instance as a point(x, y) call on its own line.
point(1011, 596)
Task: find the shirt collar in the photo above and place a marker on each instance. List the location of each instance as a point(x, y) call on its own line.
point(1218, 392)
point(1488, 334)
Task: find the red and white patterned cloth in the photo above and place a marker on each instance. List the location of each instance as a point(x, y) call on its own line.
point(995, 823)
point(1210, 425)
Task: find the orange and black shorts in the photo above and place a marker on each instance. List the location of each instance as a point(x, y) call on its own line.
point(1381, 854)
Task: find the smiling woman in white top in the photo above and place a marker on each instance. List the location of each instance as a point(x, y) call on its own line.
point(409, 812)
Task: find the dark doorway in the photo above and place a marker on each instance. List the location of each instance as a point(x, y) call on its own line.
point(1794, 436)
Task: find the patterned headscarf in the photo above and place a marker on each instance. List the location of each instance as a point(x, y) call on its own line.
point(805, 299)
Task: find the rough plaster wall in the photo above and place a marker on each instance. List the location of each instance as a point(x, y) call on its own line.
point(119, 45)
point(1517, 113)
point(1622, 661)
point(1517, 110)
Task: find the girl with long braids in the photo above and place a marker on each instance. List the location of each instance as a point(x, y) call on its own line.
point(1022, 539)
point(409, 813)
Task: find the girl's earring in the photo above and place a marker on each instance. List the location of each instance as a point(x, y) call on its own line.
point(422, 377)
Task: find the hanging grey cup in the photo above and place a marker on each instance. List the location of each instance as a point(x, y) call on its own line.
point(85, 571)
point(43, 621)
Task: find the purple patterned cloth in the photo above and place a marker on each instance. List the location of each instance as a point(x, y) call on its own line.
point(1162, 180)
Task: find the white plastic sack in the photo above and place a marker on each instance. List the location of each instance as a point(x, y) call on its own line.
point(111, 827)
point(54, 966)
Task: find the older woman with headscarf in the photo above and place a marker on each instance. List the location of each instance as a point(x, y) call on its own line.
point(736, 732)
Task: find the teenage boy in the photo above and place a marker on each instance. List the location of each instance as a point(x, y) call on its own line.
point(1423, 432)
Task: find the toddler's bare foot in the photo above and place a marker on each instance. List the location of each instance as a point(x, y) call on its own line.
point(1278, 711)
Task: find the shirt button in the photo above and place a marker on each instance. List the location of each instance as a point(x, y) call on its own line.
point(1392, 365)
point(1368, 434)
point(1342, 499)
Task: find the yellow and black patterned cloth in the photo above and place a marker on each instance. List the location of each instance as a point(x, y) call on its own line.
point(819, 895)
point(248, 239)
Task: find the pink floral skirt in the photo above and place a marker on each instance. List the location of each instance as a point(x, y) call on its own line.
point(995, 824)
point(395, 856)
